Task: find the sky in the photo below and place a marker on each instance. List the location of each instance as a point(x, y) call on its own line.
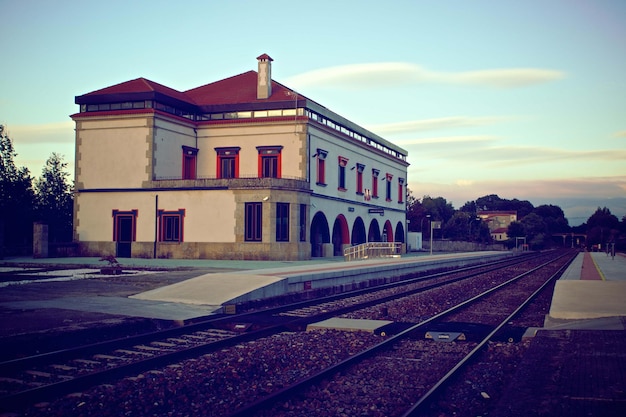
point(523, 99)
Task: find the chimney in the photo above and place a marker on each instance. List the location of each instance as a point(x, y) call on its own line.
point(264, 83)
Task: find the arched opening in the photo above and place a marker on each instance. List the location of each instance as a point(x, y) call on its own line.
point(319, 234)
point(373, 234)
point(341, 235)
point(399, 236)
point(388, 232)
point(358, 232)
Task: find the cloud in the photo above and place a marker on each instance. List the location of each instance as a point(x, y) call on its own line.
point(620, 134)
point(446, 140)
point(358, 76)
point(60, 132)
point(507, 156)
point(433, 124)
point(505, 78)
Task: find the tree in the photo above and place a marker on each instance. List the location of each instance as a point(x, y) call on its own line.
point(494, 203)
point(535, 231)
point(415, 212)
point(457, 228)
point(602, 228)
point(439, 210)
point(54, 199)
point(16, 201)
point(553, 217)
point(466, 226)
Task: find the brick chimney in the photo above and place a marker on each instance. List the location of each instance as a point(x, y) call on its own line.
point(264, 83)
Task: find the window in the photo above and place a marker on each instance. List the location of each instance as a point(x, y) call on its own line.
point(270, 167)
point(342, 173)
point(359, 178)
point(171, 225)
point(189, 163)
point(227, 162)
point(254, 222)
point(269, 161)
point(400, 190)
point(302, 223)
point(375, 174)
point(124, 225)
point(388, 177)
point(282, 222)
point(321, 166)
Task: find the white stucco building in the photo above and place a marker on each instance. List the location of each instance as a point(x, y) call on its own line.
point(242, 168)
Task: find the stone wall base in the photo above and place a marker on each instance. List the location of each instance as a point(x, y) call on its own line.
point(201, 250)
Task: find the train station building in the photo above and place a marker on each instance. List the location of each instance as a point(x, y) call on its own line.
point(242, 168)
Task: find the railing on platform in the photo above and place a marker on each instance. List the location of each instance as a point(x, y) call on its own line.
point(373, 250)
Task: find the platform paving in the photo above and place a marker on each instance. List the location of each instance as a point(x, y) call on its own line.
point(593, 287)
point(204, 293)
point(576, 365)
point(236, 287)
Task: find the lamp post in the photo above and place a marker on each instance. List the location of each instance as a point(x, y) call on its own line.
point(431, 237)
point(421, 226)
point(471, 220)
point(433, 225)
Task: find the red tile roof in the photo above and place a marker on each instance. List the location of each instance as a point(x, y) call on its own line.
point(139, 85)
point(238, 89)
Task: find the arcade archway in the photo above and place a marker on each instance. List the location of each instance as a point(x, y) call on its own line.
point(358, 232)
point(373, 234)
point(341, 235)
point(388, 232)
point(319, 234)
point(399, 236)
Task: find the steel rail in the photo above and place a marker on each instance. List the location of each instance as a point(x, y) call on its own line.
point(64, 354)
point(427, 398)
point(263, 403)
point(52, 390)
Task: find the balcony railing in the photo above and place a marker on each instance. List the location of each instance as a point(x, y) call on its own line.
point(286, 183)
point(373, 250)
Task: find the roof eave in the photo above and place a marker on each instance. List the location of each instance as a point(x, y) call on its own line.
point(134, 96)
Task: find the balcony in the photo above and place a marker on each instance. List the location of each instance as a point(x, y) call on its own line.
point(284, 183)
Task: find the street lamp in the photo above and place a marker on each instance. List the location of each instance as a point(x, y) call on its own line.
point(431, 237)
point(470, 221)
point(421, 226)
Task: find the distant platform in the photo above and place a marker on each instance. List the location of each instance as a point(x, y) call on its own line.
point(592, 290)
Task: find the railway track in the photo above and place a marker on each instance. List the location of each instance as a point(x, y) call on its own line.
point(52, 375)
point(402, 375)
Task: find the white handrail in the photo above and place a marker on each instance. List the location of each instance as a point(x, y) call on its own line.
point(372, 250)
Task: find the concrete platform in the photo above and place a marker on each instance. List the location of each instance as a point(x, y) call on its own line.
point(353, 325)
point(237, 287)
point(592, 289)
point(201, 293)
point(118, 306)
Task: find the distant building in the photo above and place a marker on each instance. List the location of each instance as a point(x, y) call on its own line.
point(498, 222)
point(242, 168)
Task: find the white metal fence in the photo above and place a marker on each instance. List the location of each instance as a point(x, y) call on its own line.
point(373, 250)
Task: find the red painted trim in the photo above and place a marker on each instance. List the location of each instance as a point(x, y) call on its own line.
point(133, 214)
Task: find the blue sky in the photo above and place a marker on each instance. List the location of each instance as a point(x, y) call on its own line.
point(524, 99)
